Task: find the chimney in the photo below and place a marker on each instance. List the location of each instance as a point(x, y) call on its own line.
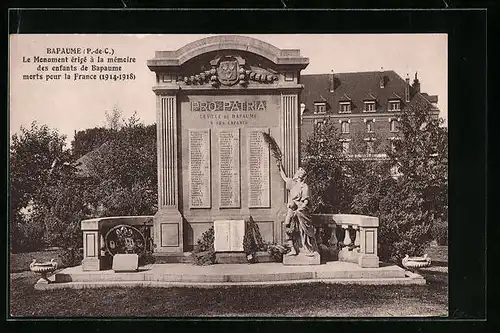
point(407, 88)
point(332, 82)
point(416, 83)
point(382, 77)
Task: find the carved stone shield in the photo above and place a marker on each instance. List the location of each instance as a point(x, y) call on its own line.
point(228, 71)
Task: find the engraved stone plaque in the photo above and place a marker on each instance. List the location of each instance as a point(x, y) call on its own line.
point(229, 168)
point(258, 174)
point(199, 169)
point(221, 235)
point(228, 235)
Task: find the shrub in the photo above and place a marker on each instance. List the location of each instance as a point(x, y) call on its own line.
point(405, 226)
point(440, 232)
point(71, 257)
point(146, 258)
point(204, 251)
point(277, 251)
point(252, 240)
point(27, 233)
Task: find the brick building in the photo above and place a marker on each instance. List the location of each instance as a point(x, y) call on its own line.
point(364, 106)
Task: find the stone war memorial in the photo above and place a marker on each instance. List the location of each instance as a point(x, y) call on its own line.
point(217, 100)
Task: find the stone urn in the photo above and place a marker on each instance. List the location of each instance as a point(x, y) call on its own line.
point(43, 268)
point(416, 262)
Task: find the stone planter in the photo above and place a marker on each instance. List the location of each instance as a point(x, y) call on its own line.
point(44, 268)
point(416, 262)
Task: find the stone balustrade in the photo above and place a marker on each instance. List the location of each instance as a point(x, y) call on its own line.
point(94, 231)
point(358, 237)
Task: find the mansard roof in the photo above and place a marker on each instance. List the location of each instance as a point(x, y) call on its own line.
point(358, 86)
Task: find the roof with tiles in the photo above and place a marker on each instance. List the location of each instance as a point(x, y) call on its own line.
point(357, 87)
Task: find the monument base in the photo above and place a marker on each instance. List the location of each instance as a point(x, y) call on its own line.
point(368, 261)
point(301, 259)
point(168, 231)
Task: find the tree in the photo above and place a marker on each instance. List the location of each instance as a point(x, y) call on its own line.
point(87, 140)
point(114, 119)
point(322, 159)
point(125, 168)
point(419, 197)
point(34, 153)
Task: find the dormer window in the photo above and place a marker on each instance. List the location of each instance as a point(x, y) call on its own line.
point(395, 105)
point(369, 106)
point(320, 108)
point(345, 107)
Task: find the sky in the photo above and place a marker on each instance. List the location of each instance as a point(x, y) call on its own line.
point(69, 105)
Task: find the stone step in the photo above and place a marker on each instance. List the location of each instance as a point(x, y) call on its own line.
point(241, 258)
point(223, 273)
point(221, 258)
point(173, 258)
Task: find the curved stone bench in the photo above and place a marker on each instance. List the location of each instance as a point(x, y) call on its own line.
point(93, 236)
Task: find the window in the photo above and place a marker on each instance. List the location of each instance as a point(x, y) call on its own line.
point(369, 106)
point(320, 108)
point(345, 127)
point(345, 147)
point(369, 126)
point(394, 106)
point(345, 107)
point(318, 124)
point(394, 125)
point(369, 147)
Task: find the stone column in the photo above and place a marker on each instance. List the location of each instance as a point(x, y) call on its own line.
point(289, 144)
point(168, 229)
point(290, 133)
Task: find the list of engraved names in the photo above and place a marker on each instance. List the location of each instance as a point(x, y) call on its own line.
point(258, 162)
point(199, 169)
point(229, 168)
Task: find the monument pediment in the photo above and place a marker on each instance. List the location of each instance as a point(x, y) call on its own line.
point(225, 69)
point(227, 62)
point(227, 42)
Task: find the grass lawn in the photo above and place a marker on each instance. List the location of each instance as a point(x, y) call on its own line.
point(308, 300)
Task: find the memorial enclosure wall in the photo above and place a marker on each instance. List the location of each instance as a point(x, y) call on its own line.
point(215, 97)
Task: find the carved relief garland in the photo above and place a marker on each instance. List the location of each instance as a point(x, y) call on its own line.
point(228, 71)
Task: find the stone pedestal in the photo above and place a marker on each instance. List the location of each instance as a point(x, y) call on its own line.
point(168, 230)
point(301, 259)
point(368, 261)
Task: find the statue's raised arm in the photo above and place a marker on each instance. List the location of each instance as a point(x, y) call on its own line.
point(282, 172)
